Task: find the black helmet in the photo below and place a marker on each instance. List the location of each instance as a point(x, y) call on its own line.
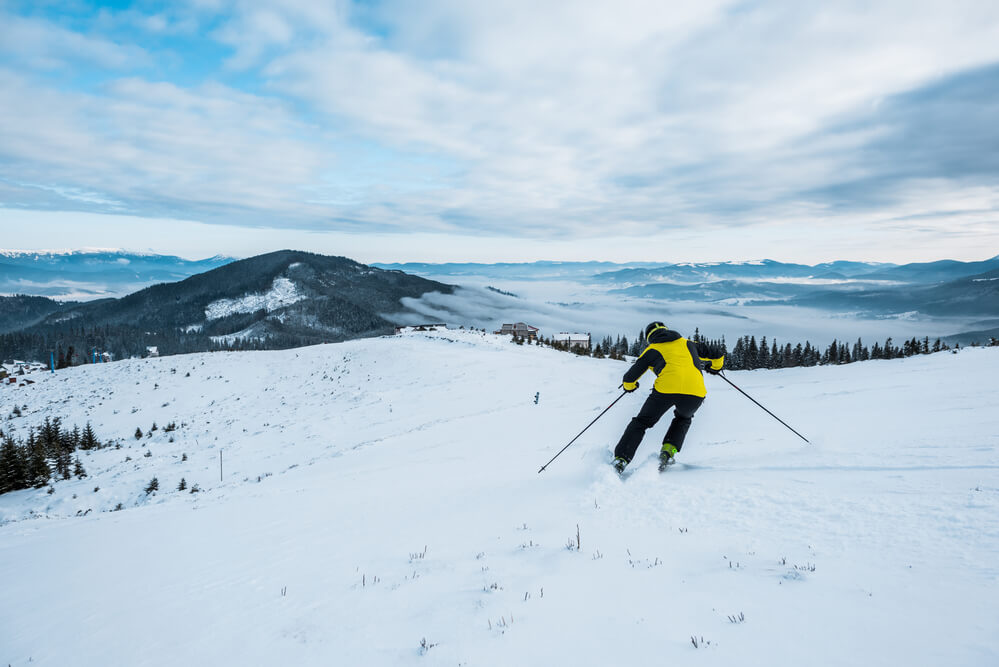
point(653, 326)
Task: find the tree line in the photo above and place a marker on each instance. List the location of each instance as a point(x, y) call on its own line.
point(48, 455)
point(750, 354)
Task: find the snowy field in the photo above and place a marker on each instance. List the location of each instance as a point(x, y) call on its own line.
point(380, 504)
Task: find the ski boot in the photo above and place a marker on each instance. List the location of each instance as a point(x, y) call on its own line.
point(666, 456)
point(620, 464)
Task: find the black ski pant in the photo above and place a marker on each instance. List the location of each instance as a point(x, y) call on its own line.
point(656, 405)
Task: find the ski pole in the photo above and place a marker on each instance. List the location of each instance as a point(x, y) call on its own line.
point(583, 431)
point(722, 376)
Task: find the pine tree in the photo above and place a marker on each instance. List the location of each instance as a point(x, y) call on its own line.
point(88, 439)
point(737, 360)
point(13, 468)
point(153, 485)
point(38, 467)
point(752, 354)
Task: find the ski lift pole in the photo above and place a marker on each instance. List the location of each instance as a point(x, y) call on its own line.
point(722, 376)
point(583, 431)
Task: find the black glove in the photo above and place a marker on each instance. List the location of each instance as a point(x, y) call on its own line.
point(712, 371)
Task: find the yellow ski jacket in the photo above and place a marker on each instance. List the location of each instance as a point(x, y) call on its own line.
point(676, 363)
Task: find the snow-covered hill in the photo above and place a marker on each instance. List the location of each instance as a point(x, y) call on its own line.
point(379, 504)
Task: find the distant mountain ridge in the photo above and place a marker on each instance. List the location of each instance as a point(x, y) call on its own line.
point(93, 273)
point(631, 274)
point(935, 288)
point(278, 300)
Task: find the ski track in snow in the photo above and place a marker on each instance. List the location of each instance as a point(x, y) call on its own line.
point(381, 492)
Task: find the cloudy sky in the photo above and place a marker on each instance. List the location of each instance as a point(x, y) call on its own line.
point(502, 131)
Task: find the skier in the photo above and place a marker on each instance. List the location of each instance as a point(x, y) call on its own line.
point(677, 363)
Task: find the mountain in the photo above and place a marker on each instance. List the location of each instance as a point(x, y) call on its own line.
point(753, 271)
point(544, 270)
point(934, 272)
point(974, 295)
point(377, 503)
point(18, 312)
point(93, 273)
point(278, 300)
point(945, 288)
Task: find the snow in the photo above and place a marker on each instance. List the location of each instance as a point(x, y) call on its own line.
point(283, 293)
point(381, 492)
point(252, 332)
point(71, 251)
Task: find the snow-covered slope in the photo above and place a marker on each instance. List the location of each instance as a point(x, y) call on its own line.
point(381, 494)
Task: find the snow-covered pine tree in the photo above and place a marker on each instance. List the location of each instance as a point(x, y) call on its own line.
point(13, 466)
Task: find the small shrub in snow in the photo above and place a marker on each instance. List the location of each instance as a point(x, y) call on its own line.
point(699, 642)
point(138, 433)
point(119, 507)
point(570, 545)
point(183, 484)
point(148, 454)
point(425, 646)
point(96, 489)
point(740, 618)
point(153, 485)
point(195, 489)
point(183, 457)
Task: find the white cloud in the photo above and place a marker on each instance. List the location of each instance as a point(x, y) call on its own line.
point(537, 121)
point(41, 44)
point(158, 147)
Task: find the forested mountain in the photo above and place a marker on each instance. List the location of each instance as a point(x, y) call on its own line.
point(273, 301)
point(17, 312)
